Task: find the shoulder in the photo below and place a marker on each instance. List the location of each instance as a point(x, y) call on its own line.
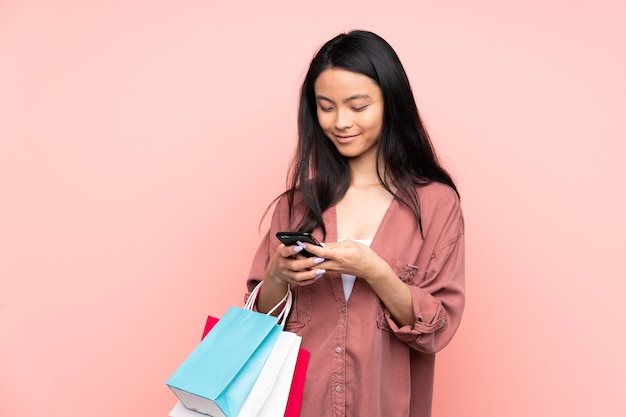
point(437, 193)
point(282, 201)
point(284, 214)
point(439, 205)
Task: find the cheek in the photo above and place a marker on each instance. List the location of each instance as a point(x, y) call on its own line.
point(373, 121)
point(324, 120)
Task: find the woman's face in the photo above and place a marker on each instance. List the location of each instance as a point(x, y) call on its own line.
point(350, 111)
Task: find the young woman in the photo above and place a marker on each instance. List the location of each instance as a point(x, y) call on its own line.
point(386, 291)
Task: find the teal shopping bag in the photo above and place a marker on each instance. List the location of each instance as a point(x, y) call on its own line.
point(218, 375)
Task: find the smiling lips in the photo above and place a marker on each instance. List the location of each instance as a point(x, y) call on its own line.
point(345, 139)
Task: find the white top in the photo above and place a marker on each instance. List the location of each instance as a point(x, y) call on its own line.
point(348, 280)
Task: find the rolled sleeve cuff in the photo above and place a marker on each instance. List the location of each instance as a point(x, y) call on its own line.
point(408, 333)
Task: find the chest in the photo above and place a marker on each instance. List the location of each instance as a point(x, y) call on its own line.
point(361, 211)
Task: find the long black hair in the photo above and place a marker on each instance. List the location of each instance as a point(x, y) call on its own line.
point(320, 173)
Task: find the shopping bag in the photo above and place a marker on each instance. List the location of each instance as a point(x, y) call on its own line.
point(269, 395)
point(294, 401)
point(218, 375)
point(179, 410)
point(271, 389)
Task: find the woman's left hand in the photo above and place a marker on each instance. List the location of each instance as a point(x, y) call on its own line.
point(348, 257)
point(353, 258)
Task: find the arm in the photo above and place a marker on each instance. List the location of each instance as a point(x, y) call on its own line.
point(278, 265)
point(285, 267)
point(353, 258)
point(438, 301)
point(436, 280)
point(423, 298)
point(271, 293)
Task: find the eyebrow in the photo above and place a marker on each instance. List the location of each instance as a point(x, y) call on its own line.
point(354, 97)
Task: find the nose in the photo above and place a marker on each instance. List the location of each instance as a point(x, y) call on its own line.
point(343, 120)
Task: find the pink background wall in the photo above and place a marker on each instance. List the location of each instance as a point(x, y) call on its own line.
point(140, 142)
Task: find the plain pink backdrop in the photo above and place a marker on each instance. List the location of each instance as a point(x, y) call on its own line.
point(141, 141)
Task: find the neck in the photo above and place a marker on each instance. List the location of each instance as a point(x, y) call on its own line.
point(363, 172)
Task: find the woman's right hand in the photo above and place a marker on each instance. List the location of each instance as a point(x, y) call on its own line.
point(288, 266)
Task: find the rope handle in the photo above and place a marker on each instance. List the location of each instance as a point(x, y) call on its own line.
point(287, 299)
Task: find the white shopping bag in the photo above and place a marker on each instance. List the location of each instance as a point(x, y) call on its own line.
point(276, 402)
point(266, 382)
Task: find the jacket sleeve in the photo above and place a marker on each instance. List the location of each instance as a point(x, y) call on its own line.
point(437, 283)
point(259, 263)
point(268, 245)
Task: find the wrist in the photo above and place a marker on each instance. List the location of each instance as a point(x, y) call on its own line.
point(275, 282)
point(379, 271)
point(271, 292)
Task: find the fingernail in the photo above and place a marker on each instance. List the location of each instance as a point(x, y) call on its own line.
point(319, 273)
point(297, 249)
point(323, 244)
point(318, 260)
point(301, 244)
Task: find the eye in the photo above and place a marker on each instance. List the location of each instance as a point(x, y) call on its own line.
point(359, 108)
point(325, 109)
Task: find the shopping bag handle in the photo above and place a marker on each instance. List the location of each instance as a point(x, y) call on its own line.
point(287, 299)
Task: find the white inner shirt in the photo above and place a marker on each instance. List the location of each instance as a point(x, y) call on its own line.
point(348, 280)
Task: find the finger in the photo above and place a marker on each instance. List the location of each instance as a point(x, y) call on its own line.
point(303, 263)
point(318, 251)
point(288, 251)
point(307, 277)
point(307, 282)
